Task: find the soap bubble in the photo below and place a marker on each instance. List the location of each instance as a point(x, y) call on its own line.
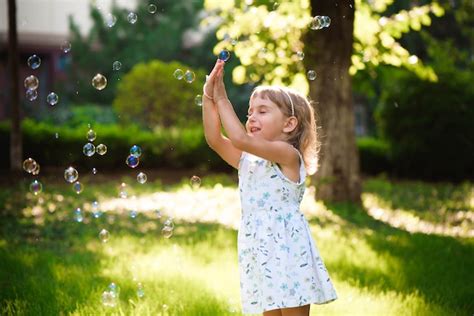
point(29, 165)
point(224, 55)
point(195, 182)
point(36, 171)
point(116, 65)
point(66, 47)
point(77, 187)
point(88, 149)
point(78, 216)
point(169, 223)
point(123, 191)
point(95, 210)
point(300, 55)
point(132, 161)
point(34, 61)
point(141, 178)
point(99, 82)
point(132, 17)
point(52, 98)
point(36, 187)
point(275, 6)
point(114, 289)
point(311, 74)
point(167, 232)
point(109, 299)
point(31, 82)
point(101, 149)
point(316, 23)
point(189, 76)
point(152, 8)
point(104, 235)
point(326, 21)
point(140, 290)
point(94, 171)
point(31, 94)
point(110, 20)
point(198, 100)
point(71, 174)
point(136, 151)
point(133, 214)
point(158, 213)
point(178, 74)
point(91, 135)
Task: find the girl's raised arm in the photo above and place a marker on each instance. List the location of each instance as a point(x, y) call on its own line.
point(277, 151)
point(212, 126)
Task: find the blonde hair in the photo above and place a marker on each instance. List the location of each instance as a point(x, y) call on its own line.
point(305, 136)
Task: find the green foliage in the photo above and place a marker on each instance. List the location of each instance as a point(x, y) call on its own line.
point(429, 127)
point(153, 36)
point(269, 37)
point(74, 115)
point(150, 95)
point(163, 148)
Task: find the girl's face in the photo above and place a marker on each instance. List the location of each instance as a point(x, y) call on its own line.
point(265, 119)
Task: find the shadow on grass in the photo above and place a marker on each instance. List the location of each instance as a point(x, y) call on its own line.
point(52, 268)
point(437, 267)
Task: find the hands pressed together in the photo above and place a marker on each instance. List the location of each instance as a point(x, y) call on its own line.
point(214, 88)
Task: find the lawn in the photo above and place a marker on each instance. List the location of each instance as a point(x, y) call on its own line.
point(408, 251)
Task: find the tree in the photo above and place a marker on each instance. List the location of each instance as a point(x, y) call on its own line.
point(271, 37)
point(16, 154)
point(329, 53)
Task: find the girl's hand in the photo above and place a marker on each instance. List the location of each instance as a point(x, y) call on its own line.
point(208, 89)
point(219, 92)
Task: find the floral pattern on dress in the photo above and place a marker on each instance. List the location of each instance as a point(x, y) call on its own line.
point(279, 262)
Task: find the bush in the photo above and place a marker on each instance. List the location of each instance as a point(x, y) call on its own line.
point(164, 148)
point(150, 95)
point(74, 115)
point(429, 128)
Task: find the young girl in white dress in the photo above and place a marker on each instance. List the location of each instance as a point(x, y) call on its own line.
point(281, 271)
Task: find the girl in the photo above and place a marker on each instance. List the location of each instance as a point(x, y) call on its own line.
point(281, 271)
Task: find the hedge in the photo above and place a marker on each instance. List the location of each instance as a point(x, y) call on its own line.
point(165, 148)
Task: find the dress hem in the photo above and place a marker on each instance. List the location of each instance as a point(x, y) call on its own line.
point(262, 310)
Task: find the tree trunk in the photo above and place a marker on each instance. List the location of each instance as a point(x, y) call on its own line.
point(13, 62)
point(329, 52)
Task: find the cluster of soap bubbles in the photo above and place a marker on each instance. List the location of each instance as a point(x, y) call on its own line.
point(188, 76)
point(31, 166)
point(168, 227)
point(31, 82)
point(89, 148)
point(110, 296)
point(133, 159)
point(320, 21)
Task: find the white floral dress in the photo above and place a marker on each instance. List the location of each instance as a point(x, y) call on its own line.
point(279, 263)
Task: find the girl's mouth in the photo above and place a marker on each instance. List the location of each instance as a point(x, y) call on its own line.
point(254, 129)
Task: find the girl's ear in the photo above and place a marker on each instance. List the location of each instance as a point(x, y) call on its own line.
point(290, 124)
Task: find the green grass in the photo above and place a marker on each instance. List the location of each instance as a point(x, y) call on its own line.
point(52, 265)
